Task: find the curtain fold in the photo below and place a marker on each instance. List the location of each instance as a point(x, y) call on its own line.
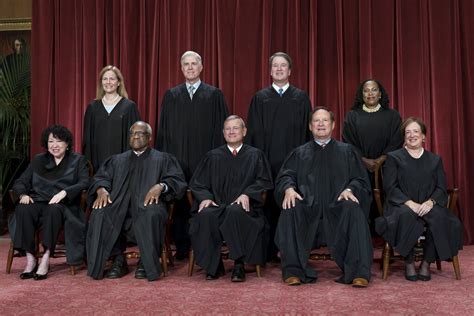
point(421, 50)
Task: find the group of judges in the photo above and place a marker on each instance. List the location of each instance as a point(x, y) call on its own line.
point(272, 190)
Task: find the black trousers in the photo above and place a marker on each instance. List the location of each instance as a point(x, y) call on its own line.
point(31, 217)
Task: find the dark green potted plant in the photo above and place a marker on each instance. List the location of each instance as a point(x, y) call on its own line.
point(15, 94)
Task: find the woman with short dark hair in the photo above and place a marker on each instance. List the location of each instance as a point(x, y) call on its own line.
point(50, 191)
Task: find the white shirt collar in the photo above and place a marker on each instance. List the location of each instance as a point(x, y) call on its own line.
point(285, 87)
point(238, 148)
point(195, 85)
point(325, 142)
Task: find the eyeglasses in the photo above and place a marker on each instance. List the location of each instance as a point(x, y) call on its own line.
point(137, 133)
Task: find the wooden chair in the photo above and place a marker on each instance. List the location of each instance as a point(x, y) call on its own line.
point(388, 254)
point(166, 252)
point(224, 250)
point(58, 252)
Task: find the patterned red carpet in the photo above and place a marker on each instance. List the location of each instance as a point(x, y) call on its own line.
point(63, 294)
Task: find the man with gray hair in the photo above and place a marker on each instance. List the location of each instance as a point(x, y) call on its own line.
point(228, 186)
point(190, 125)
point(129, 193)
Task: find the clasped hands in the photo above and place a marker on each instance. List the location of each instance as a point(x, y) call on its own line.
point(242, 200)
point(291, 196)
point(420, 209)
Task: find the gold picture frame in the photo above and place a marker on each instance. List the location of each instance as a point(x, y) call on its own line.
point(17, 24)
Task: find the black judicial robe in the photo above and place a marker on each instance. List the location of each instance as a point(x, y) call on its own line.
point(42, 180)
point(373, 134)
point(277, 125)
point(407, 178)
point(319, 175)
point(188, 128)
point(222, 177)
point(128, 179)
point(107, 134)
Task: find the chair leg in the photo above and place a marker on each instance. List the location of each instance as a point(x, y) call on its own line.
point(72, 269)
point(457, 270)
point(164, 260)
point(438, 264)
point(10, 258)
point(257, 269)
point(191, 262)
point(386, 260)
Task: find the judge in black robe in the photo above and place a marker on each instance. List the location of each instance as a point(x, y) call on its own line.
point(416, 197)
point(106, 134)
point(277, 124)
point(228, 187)
point(188, 129)
point(50, 191)
point(373, 129)
point(136, 183)
point(325, 194)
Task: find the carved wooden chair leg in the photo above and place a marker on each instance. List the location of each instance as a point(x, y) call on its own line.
point(72, 269)
point(438, 264)
point(10, 258)
point(191, 263)
point(164, 261)
point(457, 270)
point(258, 270)
point(385, 260)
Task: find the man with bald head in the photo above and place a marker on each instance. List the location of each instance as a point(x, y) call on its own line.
point(129, 193)
point(324, 193)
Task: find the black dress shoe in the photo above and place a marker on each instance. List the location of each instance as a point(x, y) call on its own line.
point(39, 277)
point(140, 272)
point(220, 272)
point(422, 277)
point(238, 274)
point(29, 275)
point(118, 270)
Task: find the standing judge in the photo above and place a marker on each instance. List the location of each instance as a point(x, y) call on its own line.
point(108, 118)
point(228, 186)
point(278, 120)
point(191, 120)
point(129, 191)
point(324, 192)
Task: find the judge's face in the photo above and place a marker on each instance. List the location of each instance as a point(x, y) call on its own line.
point(139, 137)
point(371, 94)
point(321, 125)
point(234, 132)
point(56, 147)
point(414, 137)
point(280, 71)
point(110, 82)
point(191, 68)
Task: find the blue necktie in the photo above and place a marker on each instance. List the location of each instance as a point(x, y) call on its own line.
point(280, 92)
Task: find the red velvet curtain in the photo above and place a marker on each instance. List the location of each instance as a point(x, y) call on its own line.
point(421, 50)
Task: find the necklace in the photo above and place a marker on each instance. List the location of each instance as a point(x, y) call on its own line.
point(110, 102)
point(414, 155)
point(371, 110)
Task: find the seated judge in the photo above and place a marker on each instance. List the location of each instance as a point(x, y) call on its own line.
point(50, 191)
point(129, 191)
point(324, 193)
point(228, 185)
point(416, 197)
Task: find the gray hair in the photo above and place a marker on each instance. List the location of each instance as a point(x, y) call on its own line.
point(192, 54)
point(148, 129)
point(235, 117)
